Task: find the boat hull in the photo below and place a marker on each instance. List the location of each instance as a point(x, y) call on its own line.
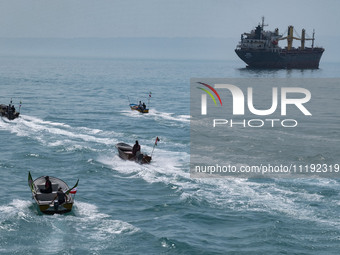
point(51, 209)
point(125, 152)
point(299, 59)
point(135, 107)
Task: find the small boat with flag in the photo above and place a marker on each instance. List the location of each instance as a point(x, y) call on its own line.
point(140, 107)
point(48, 203)
point(125, 152)
point(9, 111)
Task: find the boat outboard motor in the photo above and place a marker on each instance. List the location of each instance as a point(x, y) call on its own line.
point(140, 157)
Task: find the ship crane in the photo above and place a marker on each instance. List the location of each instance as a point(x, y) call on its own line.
point(290, 37)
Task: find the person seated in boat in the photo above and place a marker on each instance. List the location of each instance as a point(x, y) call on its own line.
point(62, 198)
point(140, 106)
point(136, 149)
point(144, 106)
point(48, 186)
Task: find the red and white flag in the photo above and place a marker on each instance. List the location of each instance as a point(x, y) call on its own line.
point(74, 190)
point(157, 140)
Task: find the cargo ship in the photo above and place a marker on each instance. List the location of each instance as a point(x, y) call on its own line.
point(260, 49)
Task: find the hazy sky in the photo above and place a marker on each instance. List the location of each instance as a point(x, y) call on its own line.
point(162, 18)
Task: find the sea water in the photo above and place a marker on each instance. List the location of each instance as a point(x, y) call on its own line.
point(74, 111)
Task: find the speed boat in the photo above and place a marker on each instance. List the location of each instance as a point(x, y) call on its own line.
point(8, 111)
point(47, 202)
point(141, 109)
point(125, 152)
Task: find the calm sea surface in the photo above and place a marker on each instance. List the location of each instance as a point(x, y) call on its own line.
point(74, 111)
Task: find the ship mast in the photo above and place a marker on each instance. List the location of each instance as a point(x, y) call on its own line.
point(263, 25)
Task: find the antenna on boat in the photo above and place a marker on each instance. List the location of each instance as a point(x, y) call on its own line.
point(313, 38)
point(149, 99)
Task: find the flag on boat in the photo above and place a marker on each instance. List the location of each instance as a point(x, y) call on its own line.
point(150, 94)
point(74, 190)
point(30, 182)
point(157, 140)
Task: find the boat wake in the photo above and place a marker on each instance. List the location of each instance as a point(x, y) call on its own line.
point(272, 196)
point(170, 165)
point(54, 134)
point(19, 215)
point(89, 215)
point(154, 114)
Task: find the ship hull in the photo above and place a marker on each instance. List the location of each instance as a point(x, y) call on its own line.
point(300, 59)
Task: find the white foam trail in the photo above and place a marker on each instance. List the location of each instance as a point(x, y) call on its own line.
point(44, 122)
point(89, 213)
point(169, 116)
point(15, 210)
point(169, 167)
point(99, 226)
point(153, 113)
point(134, 114)
point(59, 134)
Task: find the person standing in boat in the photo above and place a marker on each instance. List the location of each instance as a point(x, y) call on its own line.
point(144, 106)
point(48, 186)
point(62, 198)
point(136, 149)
